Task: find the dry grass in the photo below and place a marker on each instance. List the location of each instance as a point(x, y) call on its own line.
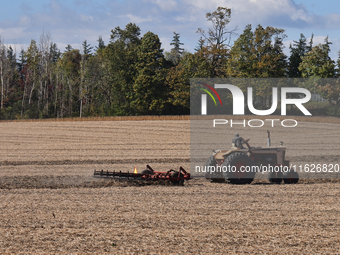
point(51, 204)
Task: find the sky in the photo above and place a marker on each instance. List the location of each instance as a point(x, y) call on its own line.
point(73, 21)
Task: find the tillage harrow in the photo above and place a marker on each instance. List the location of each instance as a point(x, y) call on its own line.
point(149, 174)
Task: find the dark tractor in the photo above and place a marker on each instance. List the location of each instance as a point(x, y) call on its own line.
point(239, 165)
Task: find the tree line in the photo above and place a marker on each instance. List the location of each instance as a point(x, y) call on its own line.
point(132, 75)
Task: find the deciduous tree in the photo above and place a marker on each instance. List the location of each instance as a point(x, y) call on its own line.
point(317, 62)
point(149, 90)
point(218, 39)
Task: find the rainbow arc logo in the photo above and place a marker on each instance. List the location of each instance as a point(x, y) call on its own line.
point(209, 93)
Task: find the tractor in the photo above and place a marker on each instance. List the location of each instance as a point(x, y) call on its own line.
point(239, 165)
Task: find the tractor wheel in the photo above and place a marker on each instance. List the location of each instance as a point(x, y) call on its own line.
point(291, 177)
point(234, 173)
point(275, 177)
point(179, 182)
point(213, 177)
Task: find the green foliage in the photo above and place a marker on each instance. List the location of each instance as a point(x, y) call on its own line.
point(333, 110)
point(178, 79)
point(131, 75)
point(243, 61)
point(71, 63)
point(120, 58)
point(258, 54)
point(317, 62)
point(32, 55)
point(148, 87)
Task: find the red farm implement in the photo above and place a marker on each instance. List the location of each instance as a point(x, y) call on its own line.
point(149, 174)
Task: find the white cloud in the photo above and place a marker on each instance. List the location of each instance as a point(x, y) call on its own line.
point(12, 33)
point(136, 19)
point(185, 18)
point(86, 18)
point(25, 20)
point(166, 5)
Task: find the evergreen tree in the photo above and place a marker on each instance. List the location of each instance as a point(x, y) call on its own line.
point(86, 48)
point(297, 51)
point(22, 60)
point(310, 46)
point(32, 57)
point(200, 44)
point(101, 44)
point(54, 52)
point(326, 47)
point(68, 48)
point(176, 51)
point(337, 66)
point(11, 56)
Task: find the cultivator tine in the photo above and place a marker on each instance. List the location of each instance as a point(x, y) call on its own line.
point(183, 170)
point(150, 168)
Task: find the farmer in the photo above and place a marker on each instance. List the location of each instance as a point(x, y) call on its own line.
point(237, 141)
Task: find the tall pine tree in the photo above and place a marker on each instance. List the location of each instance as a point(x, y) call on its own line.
point(297, 51)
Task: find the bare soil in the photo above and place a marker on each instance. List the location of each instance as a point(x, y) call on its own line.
point(50, 203)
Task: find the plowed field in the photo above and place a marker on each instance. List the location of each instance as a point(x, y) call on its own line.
point(51, 204)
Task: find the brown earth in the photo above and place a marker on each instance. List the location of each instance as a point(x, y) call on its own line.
point(51, 204)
